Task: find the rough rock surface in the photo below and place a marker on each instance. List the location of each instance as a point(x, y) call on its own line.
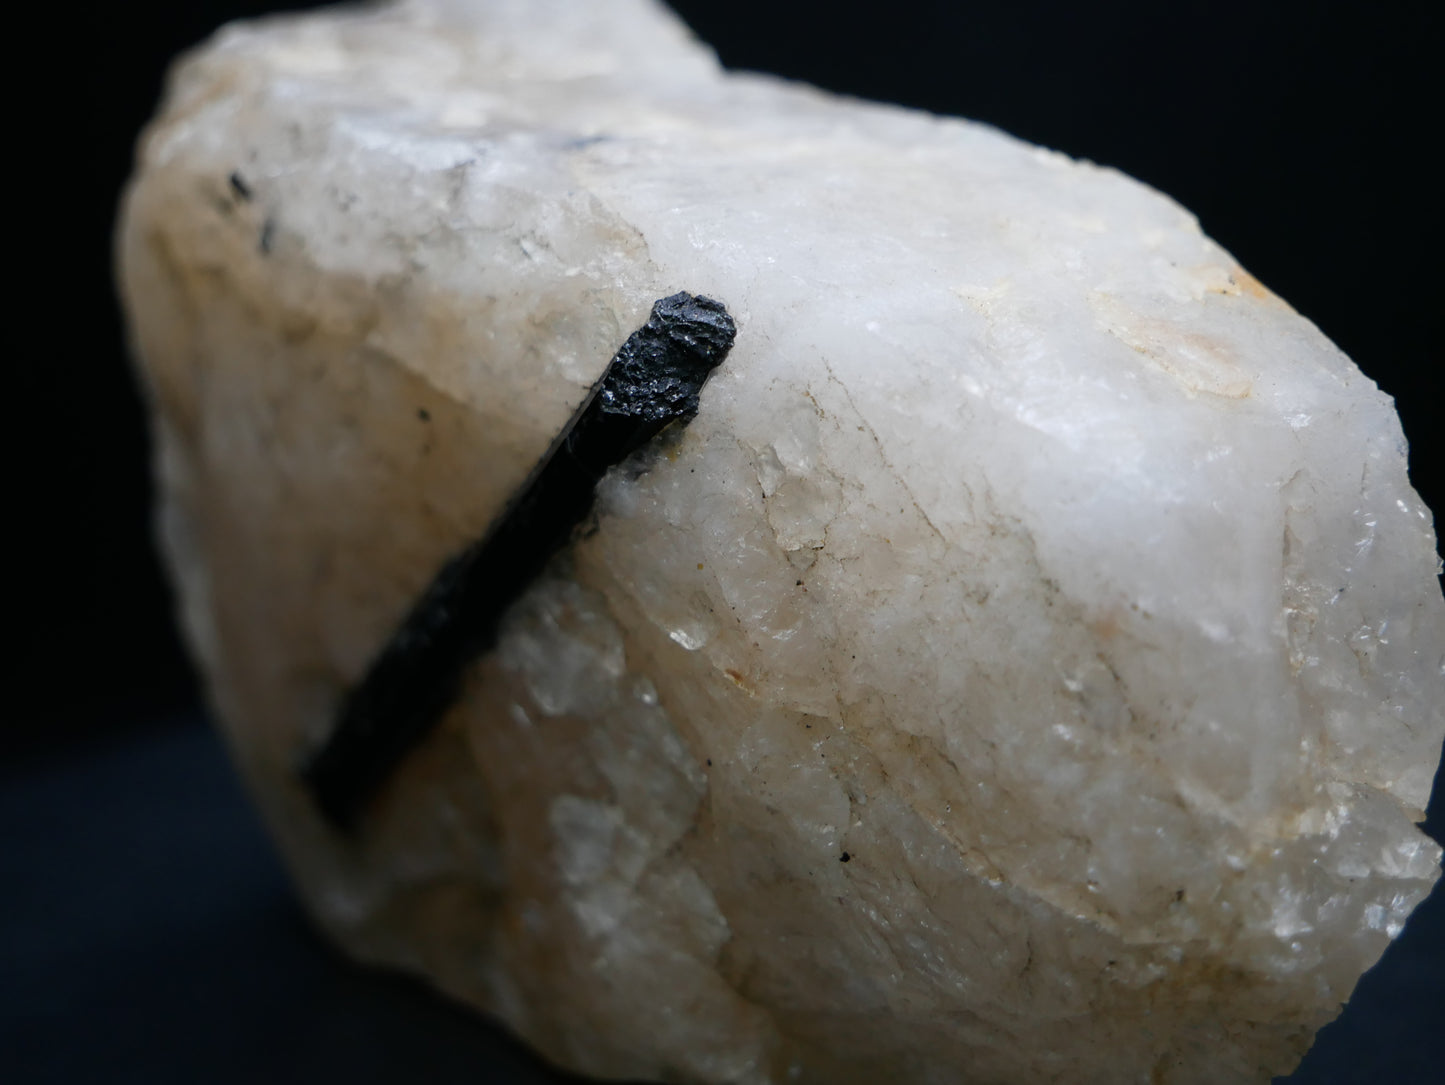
point(1027, 667)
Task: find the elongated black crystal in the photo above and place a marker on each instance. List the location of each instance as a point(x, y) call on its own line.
point(652, 382)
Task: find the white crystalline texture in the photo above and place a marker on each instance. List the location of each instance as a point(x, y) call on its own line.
point(1027, 667)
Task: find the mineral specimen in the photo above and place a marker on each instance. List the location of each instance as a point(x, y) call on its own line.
point(1026, 667)
point(653, 383)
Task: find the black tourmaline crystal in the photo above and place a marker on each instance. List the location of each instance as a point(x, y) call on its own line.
point(653, 382)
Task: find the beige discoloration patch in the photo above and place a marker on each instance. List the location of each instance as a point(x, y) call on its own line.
point(1220, 278)
point(1242, 284)
point(1198, 362)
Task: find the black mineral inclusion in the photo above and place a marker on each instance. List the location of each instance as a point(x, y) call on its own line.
point(652, 382)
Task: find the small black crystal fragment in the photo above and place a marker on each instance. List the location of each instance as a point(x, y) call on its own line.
point(239, 186)
point(652, 382)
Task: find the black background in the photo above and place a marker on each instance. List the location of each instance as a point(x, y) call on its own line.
point(1298, 132)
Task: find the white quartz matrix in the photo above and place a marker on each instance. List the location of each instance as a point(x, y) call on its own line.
point(1026, 668)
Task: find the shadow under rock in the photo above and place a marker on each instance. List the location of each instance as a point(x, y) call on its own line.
point(1388, 1032)
point(150, 936)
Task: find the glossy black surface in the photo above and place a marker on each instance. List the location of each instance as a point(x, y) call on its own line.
point(651, 384)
